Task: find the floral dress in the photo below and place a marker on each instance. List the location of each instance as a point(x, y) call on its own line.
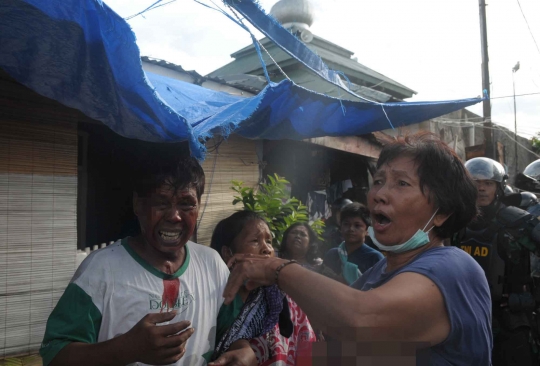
point(274, 349)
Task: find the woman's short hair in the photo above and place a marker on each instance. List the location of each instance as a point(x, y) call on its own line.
point(442, 175)
point(313, 249)
point(356, 209)
point(228, 229)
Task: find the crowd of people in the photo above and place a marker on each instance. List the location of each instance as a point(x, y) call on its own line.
point(446, 279)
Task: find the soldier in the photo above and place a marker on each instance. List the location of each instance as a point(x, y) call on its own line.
point(528, 190)
point(529, 180)
point(501, 240)
point(525, 200)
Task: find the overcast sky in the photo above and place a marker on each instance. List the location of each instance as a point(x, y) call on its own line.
point(431, 46)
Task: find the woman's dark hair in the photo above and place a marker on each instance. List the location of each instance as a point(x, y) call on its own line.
point(180, 172)
point(228, 229)
point(356, 209)
point(313, 249)
point(441, 174)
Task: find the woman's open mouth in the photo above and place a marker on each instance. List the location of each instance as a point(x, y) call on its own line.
point(380, 221)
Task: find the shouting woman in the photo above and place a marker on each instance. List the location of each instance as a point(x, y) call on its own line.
point(435, 297)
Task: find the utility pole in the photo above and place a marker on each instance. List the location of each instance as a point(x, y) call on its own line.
point(488, 130)
point(514, 70)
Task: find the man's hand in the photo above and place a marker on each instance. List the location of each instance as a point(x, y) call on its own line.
point(240, 354)
point(153, 344)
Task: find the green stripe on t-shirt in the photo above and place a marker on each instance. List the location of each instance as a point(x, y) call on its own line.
point(147, 266)
point(74, 319)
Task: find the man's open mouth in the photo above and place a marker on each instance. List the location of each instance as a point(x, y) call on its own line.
point(170, 235)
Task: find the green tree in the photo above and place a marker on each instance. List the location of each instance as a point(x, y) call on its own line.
point(535, 141)
point(273, 202)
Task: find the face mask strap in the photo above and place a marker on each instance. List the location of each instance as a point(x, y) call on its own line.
point(424, 229)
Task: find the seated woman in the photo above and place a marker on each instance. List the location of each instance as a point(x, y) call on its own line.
point(301, 244)
point(246, 232)
point(353, 257)
point(434, 296)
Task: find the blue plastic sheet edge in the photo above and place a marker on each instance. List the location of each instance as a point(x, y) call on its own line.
point(82, 54)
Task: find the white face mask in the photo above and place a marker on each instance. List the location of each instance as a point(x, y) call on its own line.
point(419, 239)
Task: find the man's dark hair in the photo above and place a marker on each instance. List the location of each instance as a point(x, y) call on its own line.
point(442, 175)
point(356, 209)
point(180, 172)
point(313, 249)
point(228, 229)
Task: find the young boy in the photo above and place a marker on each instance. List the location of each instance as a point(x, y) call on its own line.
point(352, 258)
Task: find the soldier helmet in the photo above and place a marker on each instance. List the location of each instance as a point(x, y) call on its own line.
point(528, 199)
point(533, 170)
point(529, 180)
point(487, 169)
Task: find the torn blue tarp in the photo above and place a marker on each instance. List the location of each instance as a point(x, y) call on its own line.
point(82, 54)
point(283, 38)
point(288, 111)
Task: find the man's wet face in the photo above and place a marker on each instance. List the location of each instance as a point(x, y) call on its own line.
point(168, 217)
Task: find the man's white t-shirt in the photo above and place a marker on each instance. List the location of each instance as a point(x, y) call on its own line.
point(114, 288)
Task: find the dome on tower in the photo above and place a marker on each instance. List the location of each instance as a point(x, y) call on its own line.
point(291, 13)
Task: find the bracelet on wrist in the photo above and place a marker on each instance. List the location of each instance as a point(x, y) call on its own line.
point(280, 267)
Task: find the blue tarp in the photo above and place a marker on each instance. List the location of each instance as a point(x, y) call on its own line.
point(82, 54)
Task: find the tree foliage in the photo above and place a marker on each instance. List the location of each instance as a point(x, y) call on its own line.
point(272, 200)
point(535, 141)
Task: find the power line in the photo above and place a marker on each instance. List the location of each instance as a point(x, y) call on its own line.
point(509, 136)
point(517, 142)
point(463, 123)
point(500, 128)
point(460, 123)
point(538, 49)
point(471, 120)
point(151, 7)
point(508, 96)
point(517, 95)
point(155, 7)
point(142, 12)
point(261, 45)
